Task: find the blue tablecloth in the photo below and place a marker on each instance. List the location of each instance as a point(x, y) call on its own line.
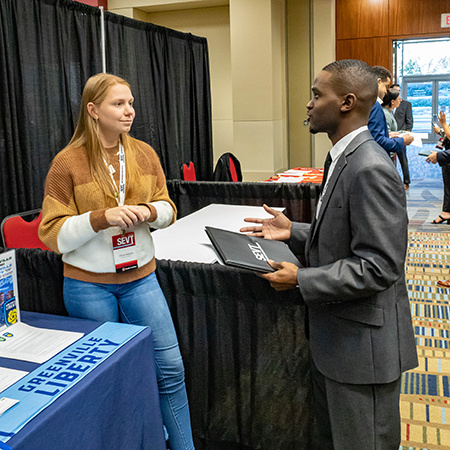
point(116, 406)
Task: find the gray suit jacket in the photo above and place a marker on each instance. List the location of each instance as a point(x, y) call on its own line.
point(404, 117)
point(360, 328)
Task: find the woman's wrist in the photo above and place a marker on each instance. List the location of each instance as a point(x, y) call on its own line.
point(152, 210)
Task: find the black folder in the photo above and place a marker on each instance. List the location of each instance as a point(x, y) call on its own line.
point(249, 252)
point(425, 152)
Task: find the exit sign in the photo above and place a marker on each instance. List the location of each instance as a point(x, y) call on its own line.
point(445, 20)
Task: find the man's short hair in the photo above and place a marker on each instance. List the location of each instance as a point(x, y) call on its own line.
point(382, 73)
point(353, 76)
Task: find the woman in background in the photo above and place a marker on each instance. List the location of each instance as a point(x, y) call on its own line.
point(106, 189)
point(391, 100)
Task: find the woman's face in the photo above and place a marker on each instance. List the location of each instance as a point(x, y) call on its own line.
point(115, 114)
point(396, 102)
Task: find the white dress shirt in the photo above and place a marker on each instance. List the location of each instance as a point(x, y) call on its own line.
point(335, 153)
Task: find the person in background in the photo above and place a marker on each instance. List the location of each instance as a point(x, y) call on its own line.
point(403, 113)
point(103, 190)
point(353, 286)
point(443, 159)
point(377, 121)
point(404, 117)
point(391, 101)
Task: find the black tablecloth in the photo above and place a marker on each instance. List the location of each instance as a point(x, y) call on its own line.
point(243, 345)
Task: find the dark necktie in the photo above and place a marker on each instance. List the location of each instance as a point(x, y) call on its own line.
point(326, 168)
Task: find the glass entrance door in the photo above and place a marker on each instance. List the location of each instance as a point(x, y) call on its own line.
point(444, 97)
point(420, 94)
point(423, 71)
point(428, 95)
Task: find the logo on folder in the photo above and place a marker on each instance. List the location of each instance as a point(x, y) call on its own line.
point(258, 252)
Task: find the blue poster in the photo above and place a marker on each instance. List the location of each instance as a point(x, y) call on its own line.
point(9, 302)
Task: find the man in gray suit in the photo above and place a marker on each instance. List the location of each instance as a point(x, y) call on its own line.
point(403, 114)
point(360, 330)
point(404, 118)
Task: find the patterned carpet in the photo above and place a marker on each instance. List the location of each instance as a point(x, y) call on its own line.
point(425, 399)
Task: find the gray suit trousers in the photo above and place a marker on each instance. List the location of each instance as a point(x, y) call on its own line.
point(355, 416)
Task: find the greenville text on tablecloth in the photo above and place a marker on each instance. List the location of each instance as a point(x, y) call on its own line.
point(66, 370)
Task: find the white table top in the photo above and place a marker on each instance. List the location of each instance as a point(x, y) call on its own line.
point(186, 239)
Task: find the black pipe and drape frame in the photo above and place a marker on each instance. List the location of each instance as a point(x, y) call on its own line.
point(49, 48)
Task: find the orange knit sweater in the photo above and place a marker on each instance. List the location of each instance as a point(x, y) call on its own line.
point(74, 222)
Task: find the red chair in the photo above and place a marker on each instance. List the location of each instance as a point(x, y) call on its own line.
point(20, 233)
point(233, 172)
point(189, 172)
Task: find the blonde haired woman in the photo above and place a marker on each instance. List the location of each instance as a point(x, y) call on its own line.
point(103, 193)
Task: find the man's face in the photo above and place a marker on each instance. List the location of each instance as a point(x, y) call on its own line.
point(383, 86)
point(324, 107)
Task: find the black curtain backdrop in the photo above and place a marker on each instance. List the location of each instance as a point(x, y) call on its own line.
point(243, 345)
point(49, 48)
point(171, 72)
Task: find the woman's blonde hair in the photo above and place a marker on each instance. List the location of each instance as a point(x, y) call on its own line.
point(87, 134)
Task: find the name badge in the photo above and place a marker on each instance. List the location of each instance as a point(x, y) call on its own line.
point(124, 250)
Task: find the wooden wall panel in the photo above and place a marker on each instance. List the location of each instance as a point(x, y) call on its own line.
point(371, 50)
point(361, 18)
point(416, 17)
point(365, 28)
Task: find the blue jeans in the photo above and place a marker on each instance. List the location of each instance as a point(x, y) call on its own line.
point(142, 302)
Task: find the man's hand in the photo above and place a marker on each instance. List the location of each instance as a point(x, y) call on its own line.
point(408, 138)
point(442, 119)
point(432, 158)
point(127, 216)
point(277, 228)
point(284, 278)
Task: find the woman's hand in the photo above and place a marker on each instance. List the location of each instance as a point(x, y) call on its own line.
point(277, 228)
point(432, 158)
point(127, 216)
